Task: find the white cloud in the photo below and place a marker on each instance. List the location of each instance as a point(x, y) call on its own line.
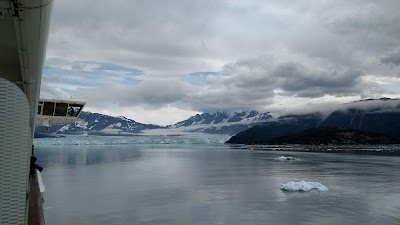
point(267, 52)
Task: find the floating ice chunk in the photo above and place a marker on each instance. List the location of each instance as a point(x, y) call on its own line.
point(303, 186)
point(284, 158)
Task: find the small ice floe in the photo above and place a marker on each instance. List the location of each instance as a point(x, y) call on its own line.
point(303, 186)
point(285, 158)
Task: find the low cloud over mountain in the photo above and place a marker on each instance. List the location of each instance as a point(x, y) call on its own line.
point(374, 115)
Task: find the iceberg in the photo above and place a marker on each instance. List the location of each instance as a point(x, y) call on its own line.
point(285, 158)
point(303, 186)
point(85, 139)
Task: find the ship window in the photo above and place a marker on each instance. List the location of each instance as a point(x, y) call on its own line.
point(48, 108)
point(39, 110)
point(74, 110)
point(61, 109)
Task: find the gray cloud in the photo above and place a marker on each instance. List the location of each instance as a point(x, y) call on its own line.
point(150, 94)
point(152, 35)
point(48, 89)
point(181, 37)
point(245, 85)
point(294, 79)
point(253, 84)
point(154, 93)
point(228, 99)
point(393, 59)
point(301, 81)
point(293, 49)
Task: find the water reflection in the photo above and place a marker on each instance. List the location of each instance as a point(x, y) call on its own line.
point(186, 184)
point(74, 156)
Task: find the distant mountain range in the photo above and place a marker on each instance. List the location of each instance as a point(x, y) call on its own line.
point(99, 124)
point(372, 115)
point(96, 124)
point(222, 122)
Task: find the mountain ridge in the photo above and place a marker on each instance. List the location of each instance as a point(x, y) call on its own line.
point(368, 115)
point(333, 135)
point(380, 115)
point(213, 123)
point(97, 124)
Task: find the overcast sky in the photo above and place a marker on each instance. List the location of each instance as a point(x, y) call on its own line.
point(160, 62)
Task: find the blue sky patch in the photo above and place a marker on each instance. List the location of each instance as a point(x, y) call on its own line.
point(200, 78)
point(111, 67)
point(205, 73)
point(92, 74)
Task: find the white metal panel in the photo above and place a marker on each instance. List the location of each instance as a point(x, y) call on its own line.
point(15, 151)
point(32, 27)
point(53, 120)
point(63, 100)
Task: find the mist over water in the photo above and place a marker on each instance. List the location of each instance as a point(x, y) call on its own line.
point(208, 182)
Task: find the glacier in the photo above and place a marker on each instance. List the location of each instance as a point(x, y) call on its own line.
point(303, 186)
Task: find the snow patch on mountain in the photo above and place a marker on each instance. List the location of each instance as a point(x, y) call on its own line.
point(97, 124)
point(64, 128)
point(81, 124)
point(224, 118)
point(212, 123)
point(220, 122)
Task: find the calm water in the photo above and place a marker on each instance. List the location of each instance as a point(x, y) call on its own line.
point(212, 183)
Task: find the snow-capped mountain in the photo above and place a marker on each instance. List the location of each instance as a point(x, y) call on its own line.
point(216, 123)
point(224, 118)
point(97, 124)
point(222, 122)
point(371, 115)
